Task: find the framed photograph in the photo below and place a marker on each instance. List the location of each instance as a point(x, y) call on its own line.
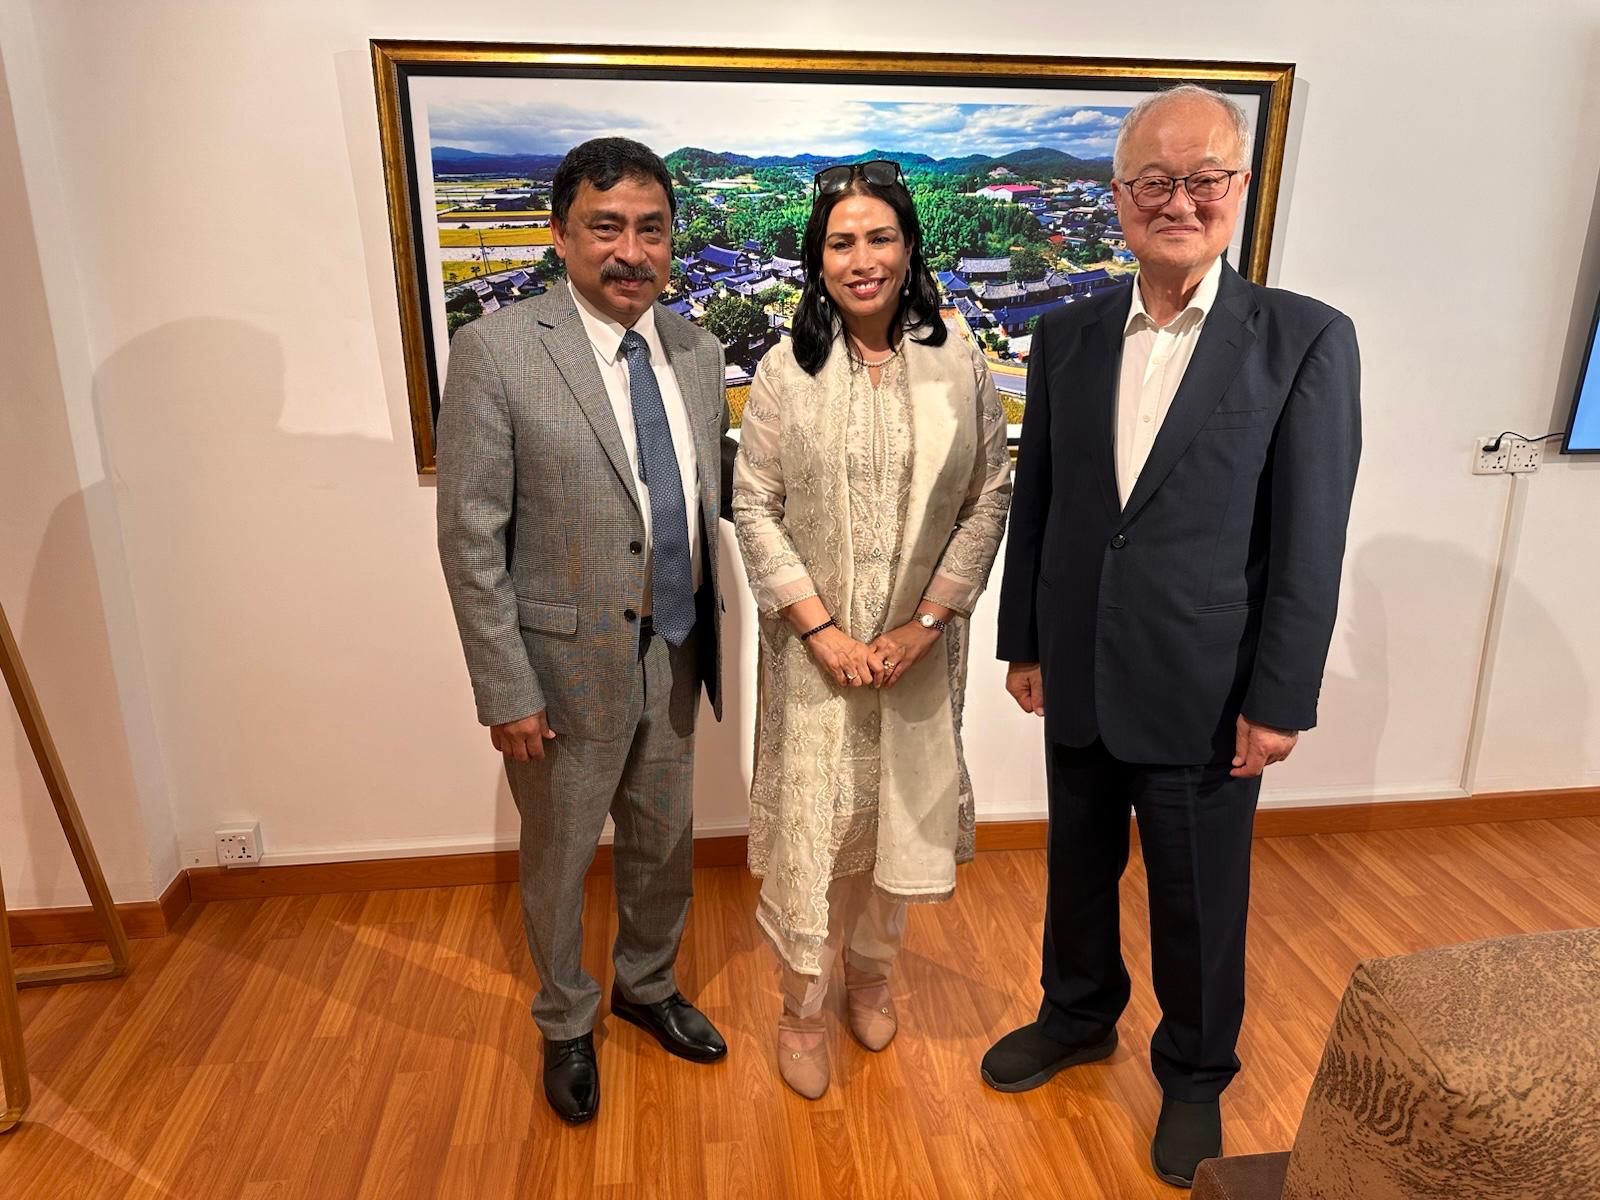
point(1008, 159)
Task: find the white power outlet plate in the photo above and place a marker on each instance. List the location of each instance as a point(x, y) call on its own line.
point(1490, 462)
point(1525, 456)
point(239, 845)
point(1516, 456)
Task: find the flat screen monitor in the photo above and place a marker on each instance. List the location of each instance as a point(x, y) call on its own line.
point(1583, 431)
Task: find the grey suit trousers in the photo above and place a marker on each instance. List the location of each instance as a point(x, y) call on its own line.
point(645, 780)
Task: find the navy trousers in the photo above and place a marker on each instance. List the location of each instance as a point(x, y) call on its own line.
point(1194, 832)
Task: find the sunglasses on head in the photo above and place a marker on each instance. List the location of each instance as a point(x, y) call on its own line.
point(884, 172)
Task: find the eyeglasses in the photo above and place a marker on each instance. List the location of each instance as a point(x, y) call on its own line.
point(1153, 191)
point(884, 172)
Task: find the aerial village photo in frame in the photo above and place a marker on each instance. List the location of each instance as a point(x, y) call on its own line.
point(1011, 177)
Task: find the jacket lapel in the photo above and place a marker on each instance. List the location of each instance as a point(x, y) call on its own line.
point(1217, 357)
point(569, 346)
point(1095, 378)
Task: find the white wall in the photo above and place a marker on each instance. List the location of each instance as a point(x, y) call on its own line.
point(69, 612)
point(220, 193)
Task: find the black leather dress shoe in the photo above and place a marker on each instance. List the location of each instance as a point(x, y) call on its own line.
point(572, 1079)
point(679, 1026)
point(1187, 1134)
point(1028, 1057)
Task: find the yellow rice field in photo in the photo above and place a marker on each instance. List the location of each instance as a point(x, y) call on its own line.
point(462, 270)
point(527, 235)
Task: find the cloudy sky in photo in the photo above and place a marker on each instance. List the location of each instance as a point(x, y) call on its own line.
point(546, 116)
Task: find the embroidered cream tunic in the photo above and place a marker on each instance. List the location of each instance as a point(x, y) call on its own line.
point(870, 498)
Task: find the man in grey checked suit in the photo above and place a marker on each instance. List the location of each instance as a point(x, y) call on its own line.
point(581, 450)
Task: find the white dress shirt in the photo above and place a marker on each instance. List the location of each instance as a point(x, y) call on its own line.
point(605, 335)
point(1154, 359)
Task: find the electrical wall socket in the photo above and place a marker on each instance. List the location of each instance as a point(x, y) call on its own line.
point(239, 845)
point(1516, 456)
point(1525, 457)
point(1490, 462)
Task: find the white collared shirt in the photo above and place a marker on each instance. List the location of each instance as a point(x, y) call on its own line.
point(1154, 359)
point(605, 335)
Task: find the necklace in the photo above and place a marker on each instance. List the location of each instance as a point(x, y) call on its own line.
point(873, 362)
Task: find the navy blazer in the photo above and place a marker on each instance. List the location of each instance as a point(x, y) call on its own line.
point(1214, 591)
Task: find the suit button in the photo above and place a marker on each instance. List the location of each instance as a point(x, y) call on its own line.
point(629, 614)
point(1118, 542)
point(634, 548)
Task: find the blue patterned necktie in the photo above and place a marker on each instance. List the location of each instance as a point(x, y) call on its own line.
point(671, 579)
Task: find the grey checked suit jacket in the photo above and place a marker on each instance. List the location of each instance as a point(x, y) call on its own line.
point(540, 530)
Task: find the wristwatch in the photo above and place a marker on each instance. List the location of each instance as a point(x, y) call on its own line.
point(929, 621)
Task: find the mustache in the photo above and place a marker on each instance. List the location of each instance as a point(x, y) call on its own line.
point(628, 272)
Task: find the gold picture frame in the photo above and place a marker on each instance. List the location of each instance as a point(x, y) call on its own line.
point(510, 88)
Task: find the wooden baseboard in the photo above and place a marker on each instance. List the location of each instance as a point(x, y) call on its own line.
point(383, 874)
point(142, 919)
point(33, 927)
point(1013, 835)
point(1547, 805)
point(231, 883)
point(175, 901)
point(50, 926)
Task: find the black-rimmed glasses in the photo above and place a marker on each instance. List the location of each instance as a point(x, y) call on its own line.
point(1204, 187)
point(884, 172)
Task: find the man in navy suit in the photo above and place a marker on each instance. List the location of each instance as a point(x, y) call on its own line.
point(1171, 579)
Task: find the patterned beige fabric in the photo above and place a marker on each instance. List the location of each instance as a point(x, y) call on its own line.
point(870, 498)
point(878, 454)
point(1241, 1177)
point(1464, 1073)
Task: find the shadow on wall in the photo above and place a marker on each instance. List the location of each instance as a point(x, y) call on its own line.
point(1379, 624)
point(284, 604)
point(1536, 723)
point(53, 587)
point(1357, 699)
point(65, 649)
point(300, 651)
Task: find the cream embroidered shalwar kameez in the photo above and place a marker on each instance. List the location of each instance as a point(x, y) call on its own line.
point(869, 498)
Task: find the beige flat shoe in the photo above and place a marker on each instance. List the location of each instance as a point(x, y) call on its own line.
point(803, 1054)
point(870, 1009)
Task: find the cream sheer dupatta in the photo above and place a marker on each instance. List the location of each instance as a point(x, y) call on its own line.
point(791, 509)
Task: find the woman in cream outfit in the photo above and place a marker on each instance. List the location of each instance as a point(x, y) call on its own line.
point(870, 495)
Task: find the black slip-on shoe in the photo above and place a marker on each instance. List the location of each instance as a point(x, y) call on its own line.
point(1028, 1056)
point(1187, 1133)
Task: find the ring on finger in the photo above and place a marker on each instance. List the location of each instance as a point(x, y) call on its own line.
point(847, 675)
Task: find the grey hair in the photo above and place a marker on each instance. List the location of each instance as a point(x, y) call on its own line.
point(1183, 91)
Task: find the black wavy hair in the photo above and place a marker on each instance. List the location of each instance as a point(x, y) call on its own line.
point(605, 162)
point(817, 321)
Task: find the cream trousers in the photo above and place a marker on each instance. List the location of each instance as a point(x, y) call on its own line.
point(869, 924)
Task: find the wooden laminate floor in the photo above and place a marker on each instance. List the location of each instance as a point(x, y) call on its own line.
point(379, 1045)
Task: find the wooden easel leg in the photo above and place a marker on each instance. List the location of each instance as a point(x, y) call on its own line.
point(13, 1059)
point(55, 781)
